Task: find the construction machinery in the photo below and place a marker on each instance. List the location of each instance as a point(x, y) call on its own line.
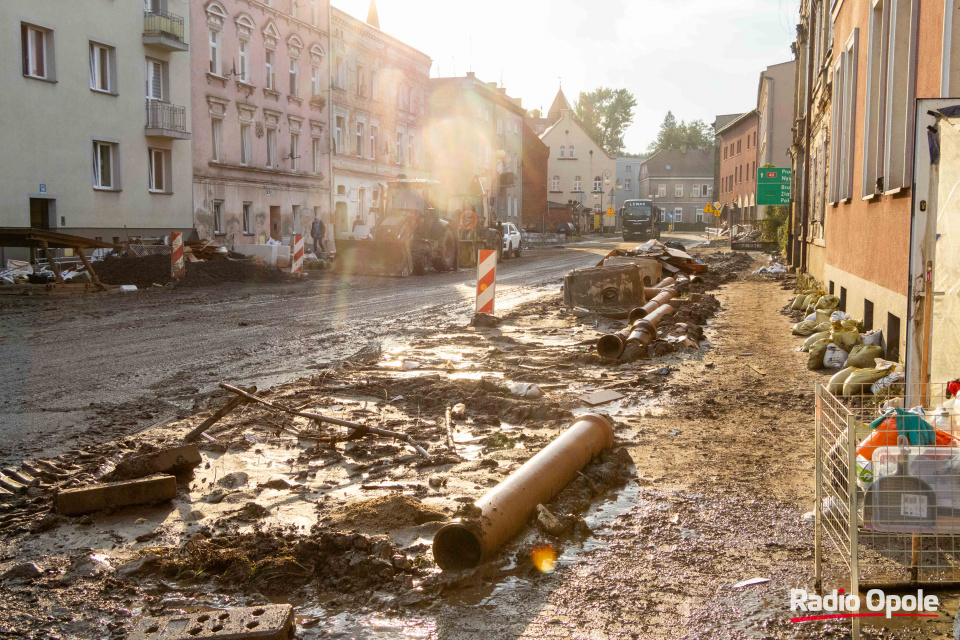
point(476, 224)
point(409, 236)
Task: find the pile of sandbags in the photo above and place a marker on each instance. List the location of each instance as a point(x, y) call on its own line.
point(881, 378)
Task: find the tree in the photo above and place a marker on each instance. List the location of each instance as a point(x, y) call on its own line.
point(605, 114)
point(674, 135)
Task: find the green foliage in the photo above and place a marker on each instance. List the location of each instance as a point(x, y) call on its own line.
point(605, 114)
point(676, 135)
point(773, 228)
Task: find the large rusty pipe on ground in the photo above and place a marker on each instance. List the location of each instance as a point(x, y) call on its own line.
point(612, 344)
point(663, 284)
point(644, 333)
point(644, 311)
point(505, 509)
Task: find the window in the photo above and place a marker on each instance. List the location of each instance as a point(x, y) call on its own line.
point(103, 165)
point(629, 169)
point(563, 151)
point(867, 315)
point(556, 183)
point(271, 148)
point(844, 112)
point(215, 58)
point(216, 135)
point(316, 156)
point(576, 184)
point(678, 215)
point(314, 80)
point(158, 171)
point(627, 184)
point(246, 145)
point(294, 77)
point(361, 81)
point(293, 8)
point(411, 149)
point(37, 46)
point(661, 191)
point(678, 190)
point(597, 183)
point(340, 80)
point(268, 62)
point(699, 214)
point(696, 191)
point(361, 138)
point(247, 214)
point(155, 73)
point(739, 142)
point(102, 63)
point(374, 88)
point(748, 143)
point(314, 14)
point(338, 135)
point(295, 151)
point(571, 151)
point(705, 191)
point(245, 62)
point(399, 147)
point(374, 140)
point(218, 225)
point(901, 97)
point(724, 152)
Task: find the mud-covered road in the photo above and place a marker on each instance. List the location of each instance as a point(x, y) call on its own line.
point(90, 369)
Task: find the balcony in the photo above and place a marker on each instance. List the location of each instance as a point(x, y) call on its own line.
point(164, 31)
point(165, 120)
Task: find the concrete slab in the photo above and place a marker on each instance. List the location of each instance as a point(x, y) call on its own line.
point(268, 622)
point(113, 495)
point(175, 460)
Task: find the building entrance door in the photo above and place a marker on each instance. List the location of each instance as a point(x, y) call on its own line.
point(40, 213)
point(275, 231)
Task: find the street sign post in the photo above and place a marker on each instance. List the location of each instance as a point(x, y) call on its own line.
point(773, 186)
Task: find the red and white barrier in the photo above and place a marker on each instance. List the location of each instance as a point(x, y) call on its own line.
point(486, 280)
point(296, 262)
point(176, 245)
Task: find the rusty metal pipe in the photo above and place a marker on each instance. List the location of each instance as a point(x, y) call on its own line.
point(657, 302)
point(666, 282)
point(644, 332)
point(464, 544)
point(612, 344)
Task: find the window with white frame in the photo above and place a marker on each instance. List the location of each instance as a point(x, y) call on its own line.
point(314, 80)
point(597, 184)
point(340, 66)
point(247, 218)
point(246, 145)
point(294, 9)
point(678, 215)
point(627, 185)
point(556, 183)
point(316, 156)
point(678, 190)
point(216, 138)
point(218, 222)
point(341, 125)
point(104, 165)
point(571, 151)
point(361, 81)
point(577, 183)
point(155, 79)
point(37, 50)
point(245, 61)
point(314, 14)
point(901, 96)
point(661, 191)
point(374, 140)
point(295, 152)
point(103, 60)
point(705, 191)
point(699, 214)
point(361, 137)
point(269, 59)
point(294, 77)
point(216, 62)
point(158, 179)
point(563, 151)
point(696, 191)
point(272, 148)
point(844, 114)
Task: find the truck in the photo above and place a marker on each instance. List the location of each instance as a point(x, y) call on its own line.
point(419, 227)
point(641, 220)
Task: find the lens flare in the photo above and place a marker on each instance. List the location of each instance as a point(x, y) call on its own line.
point(544, 558)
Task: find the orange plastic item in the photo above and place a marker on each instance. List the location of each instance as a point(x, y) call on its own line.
point(886, 436)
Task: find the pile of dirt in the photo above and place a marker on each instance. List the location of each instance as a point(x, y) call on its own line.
point(724, 266)
point(386, 513)
point(150, 270)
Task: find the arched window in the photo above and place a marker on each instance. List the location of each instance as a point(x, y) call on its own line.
point(563, 151)
point(576, 183)
point(216, 16)
point(571, 151)
point(556, 183)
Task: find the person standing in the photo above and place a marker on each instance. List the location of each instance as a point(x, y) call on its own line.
point(317, 231)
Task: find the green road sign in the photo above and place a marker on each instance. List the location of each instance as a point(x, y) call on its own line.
point(773, 186)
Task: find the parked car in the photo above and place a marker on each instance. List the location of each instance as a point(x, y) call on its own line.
point(566, 229)
point(511, 240)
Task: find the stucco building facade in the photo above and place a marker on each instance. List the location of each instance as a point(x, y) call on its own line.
point(533, 172)
point(87, 152)
point(736, 193)
point(628, 180)
point(680, 182)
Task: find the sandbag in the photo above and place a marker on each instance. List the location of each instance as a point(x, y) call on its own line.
point(828, 303)
point(874, 337)
point(817, 336)
point(846, 339)
point(835, 386)
point(804, 328)
point(860, 381)
point(863, 356)
point(835, 357)
point(817, 351)
point(839, 316)
point(825, 326)
point(798, 302)
point(890, 381)
point(812, 300)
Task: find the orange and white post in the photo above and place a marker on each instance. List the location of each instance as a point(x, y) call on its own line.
point(486, 280)
point(177, 261)
point(296, 263)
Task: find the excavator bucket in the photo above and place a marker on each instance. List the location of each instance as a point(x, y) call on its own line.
point(373, 257)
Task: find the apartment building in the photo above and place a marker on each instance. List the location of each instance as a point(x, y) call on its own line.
point(680, 182)
point(380, 88)
point(475, 130)
point(628, 180)
point(737, 141)
point(775, 123)
point(98, 109)
point(533, 171)
point(261, 146)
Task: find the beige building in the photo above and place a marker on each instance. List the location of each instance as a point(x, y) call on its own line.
point(579, 169)
point(379, 93)
point(775, 102)
point(97, 105)
point(261, 149)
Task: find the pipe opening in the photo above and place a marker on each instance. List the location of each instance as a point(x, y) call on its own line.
point(456, 547)
point(610, 345)
point(635, 314)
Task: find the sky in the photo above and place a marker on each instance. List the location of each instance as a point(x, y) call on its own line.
point(697, 58)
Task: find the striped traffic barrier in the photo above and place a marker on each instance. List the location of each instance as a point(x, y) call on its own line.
point(176, 246)
point(486, 280)
point(296, 264)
